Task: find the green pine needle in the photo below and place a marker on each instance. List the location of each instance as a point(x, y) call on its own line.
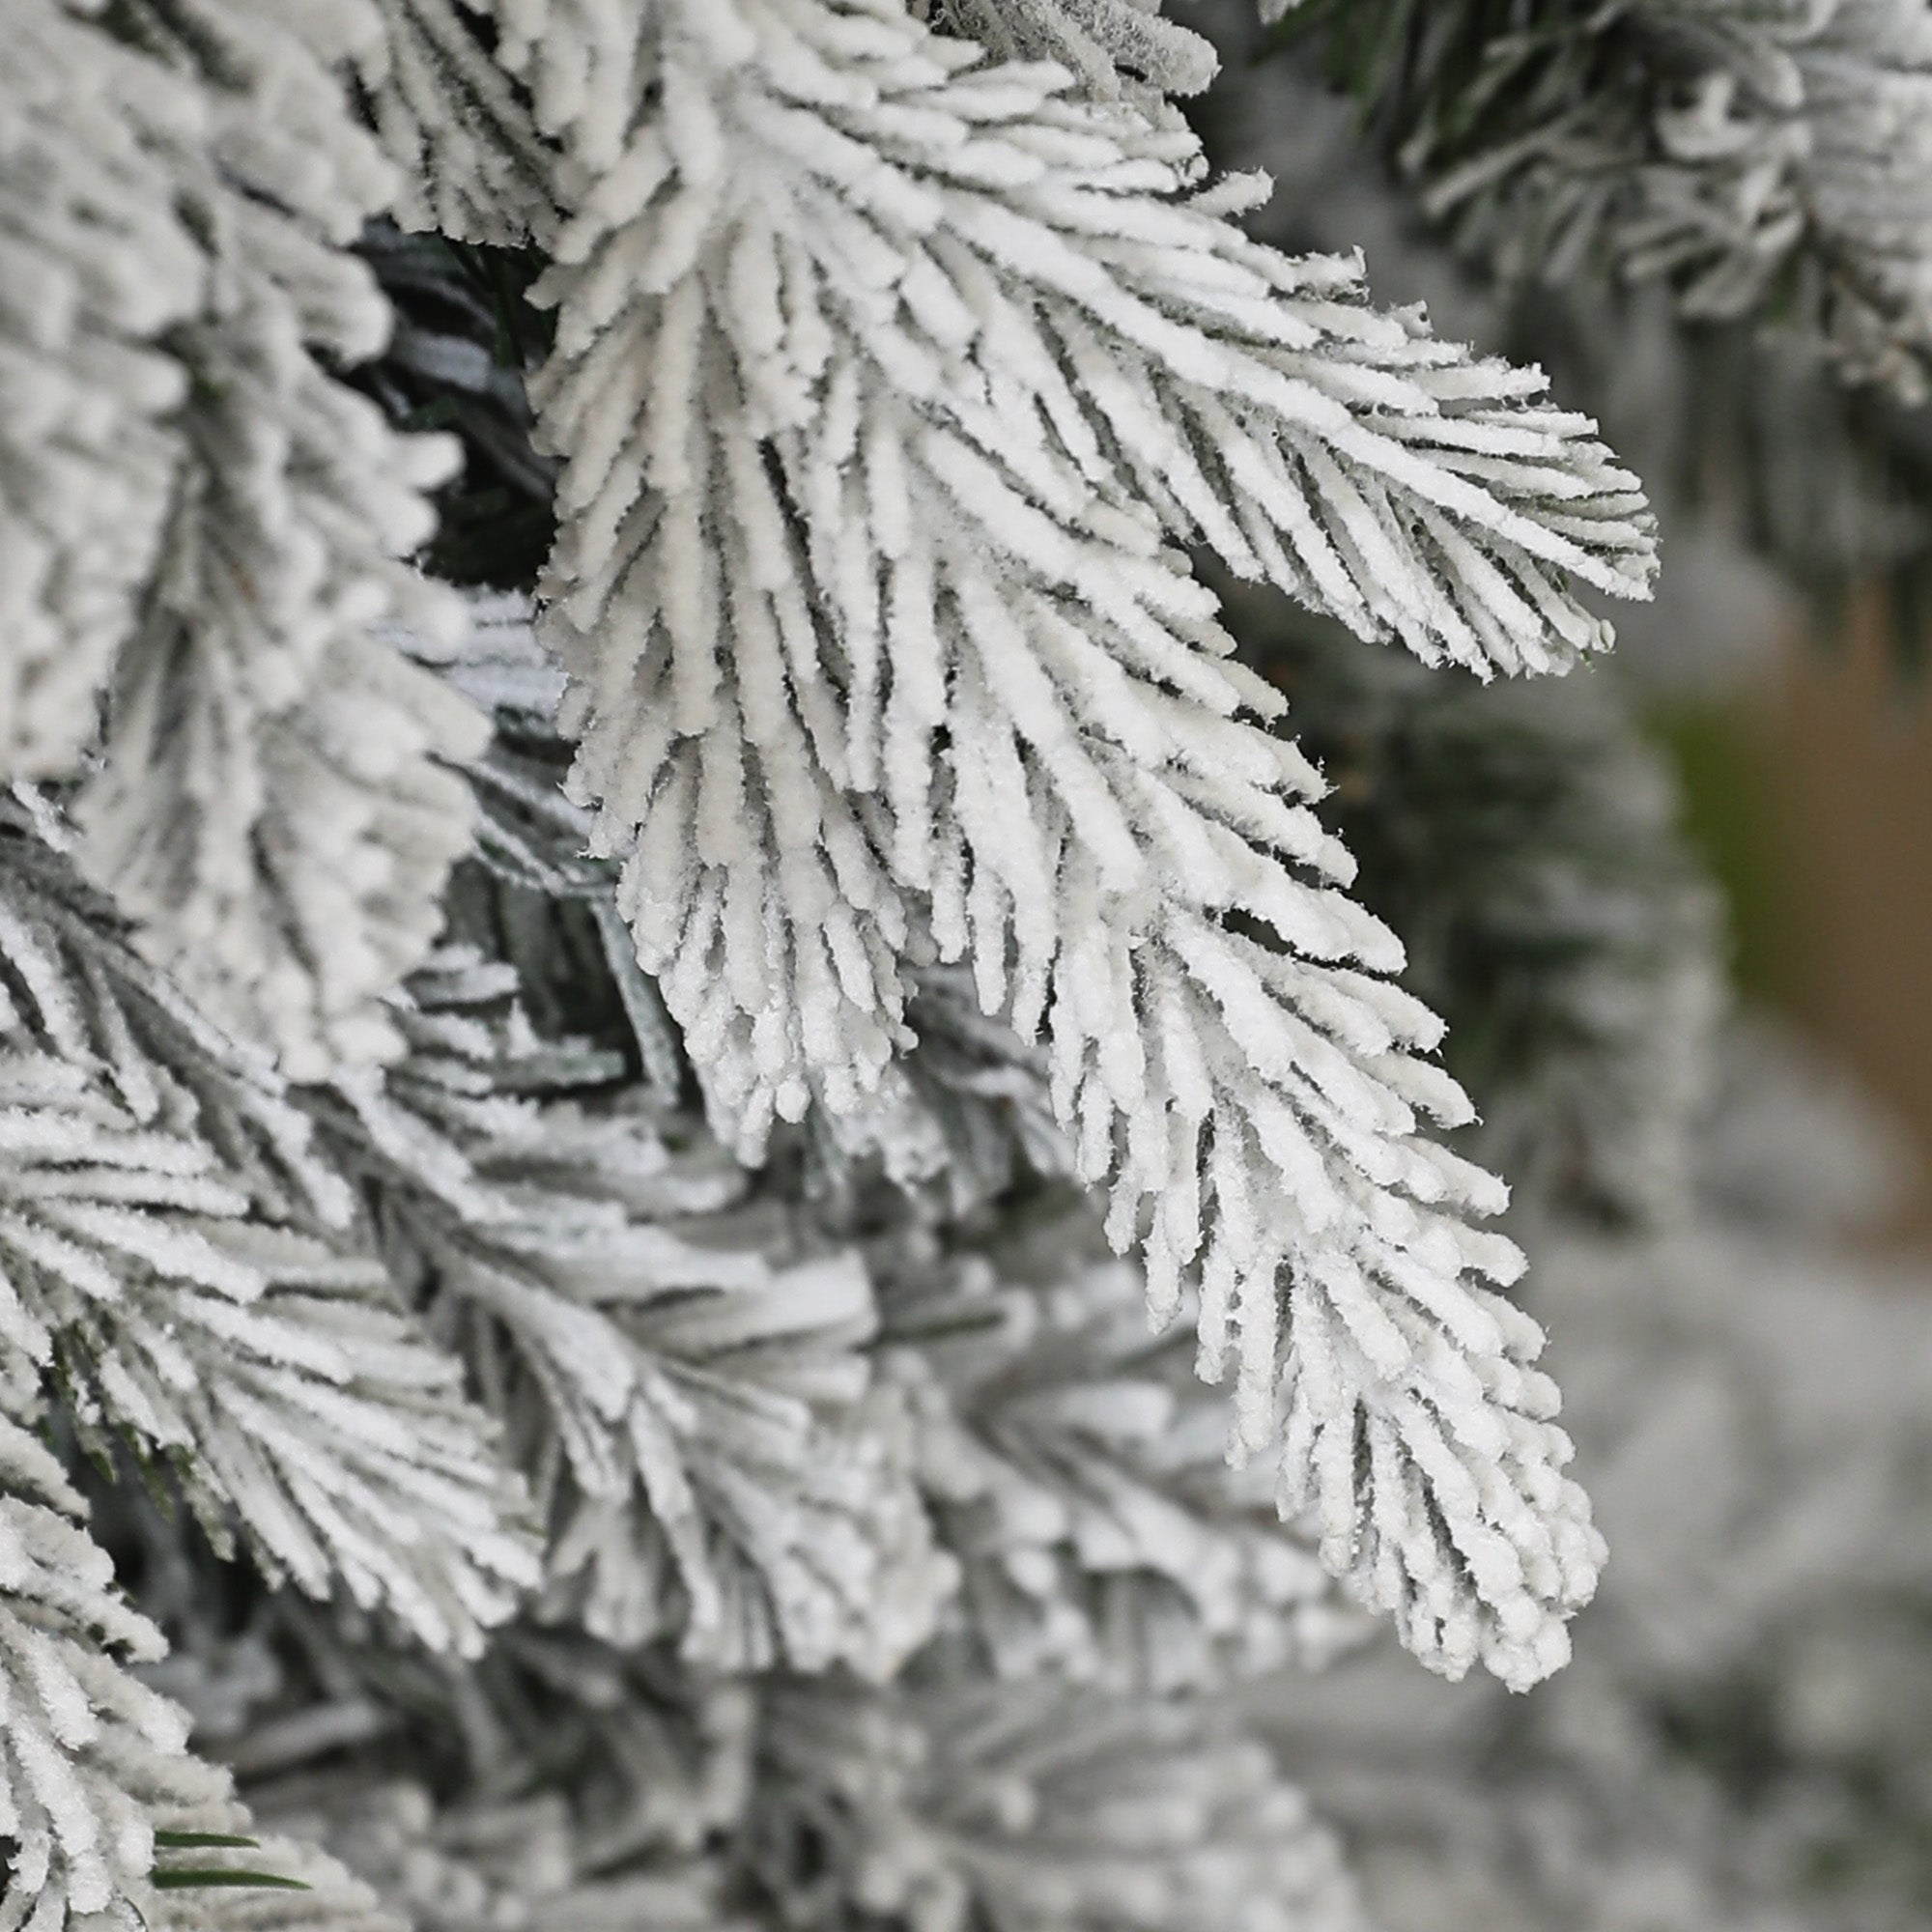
point(184, 1878)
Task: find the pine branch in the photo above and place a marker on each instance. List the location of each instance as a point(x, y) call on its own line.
point(87, 452)
point(1767, 161)
point(556, 1780)
point(769, 413)
point(1075, 1467)
point(89, 1756)
point(1114, 49)
point(269, 803)
point(269, 1363)
point(951, 1801)
point(465, 1868)
point(108, 1818)
point(684, 1374)
point(215, 520)
point(473, 165)
point(1749, 444)
point(619, 1756)
point(573, 1783)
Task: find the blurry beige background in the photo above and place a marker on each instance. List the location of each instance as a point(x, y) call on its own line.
point(1812, 797)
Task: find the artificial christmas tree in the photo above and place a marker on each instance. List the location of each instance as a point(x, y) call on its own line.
point(710, 769)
